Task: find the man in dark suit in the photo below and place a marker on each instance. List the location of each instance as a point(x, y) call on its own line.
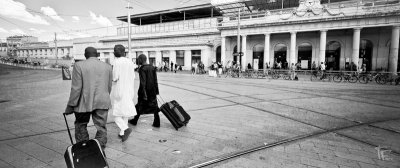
point(147, 93)
point(90, 96)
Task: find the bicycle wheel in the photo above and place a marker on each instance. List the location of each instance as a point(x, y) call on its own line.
point(275, 76)
point(353, 79)
point(286, 77)
point(337, 78)
point(381, 80)
point(363, 79)
point(314, 78)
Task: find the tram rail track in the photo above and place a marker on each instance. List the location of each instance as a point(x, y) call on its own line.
point(324, 130)
point(337, 117)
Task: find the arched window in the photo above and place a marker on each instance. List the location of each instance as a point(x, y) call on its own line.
point(305, 55)
point(280, 52)
point(365, 58)
point(332, 55)
point(258, 56)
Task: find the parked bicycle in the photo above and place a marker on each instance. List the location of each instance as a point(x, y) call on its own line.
point(320, 76)
point(350, 77)
point(283, 75)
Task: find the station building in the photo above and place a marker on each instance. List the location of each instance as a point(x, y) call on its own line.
point(336, 32)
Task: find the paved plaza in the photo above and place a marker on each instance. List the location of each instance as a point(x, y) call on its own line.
point(293, 123)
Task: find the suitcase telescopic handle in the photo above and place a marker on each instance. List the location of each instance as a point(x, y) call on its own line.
point(162, 100)
point(69, 132)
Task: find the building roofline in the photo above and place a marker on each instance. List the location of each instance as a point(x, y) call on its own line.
point(167, 11)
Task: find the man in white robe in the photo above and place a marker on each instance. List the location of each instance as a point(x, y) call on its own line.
point(122, 92)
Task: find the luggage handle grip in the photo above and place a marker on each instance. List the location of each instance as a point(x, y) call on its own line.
point(69, 132)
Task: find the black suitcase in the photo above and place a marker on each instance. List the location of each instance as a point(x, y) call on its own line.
point(175, 114)
point(86, 154)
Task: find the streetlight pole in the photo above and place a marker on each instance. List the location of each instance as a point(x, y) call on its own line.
point(129, 29)
point(55, 46)
point(238, 37)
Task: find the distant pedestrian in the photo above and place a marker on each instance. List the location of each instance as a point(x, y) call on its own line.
point(322, 67)
point(172, 66)
point(90, 96)
point(147, 93)
point(122, 93)
point(219, 69)
point(293, 71)
point(176, 67)
point(249, 66)
point(193, 68)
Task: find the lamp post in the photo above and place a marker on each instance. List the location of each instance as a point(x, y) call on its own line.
point(129, 29)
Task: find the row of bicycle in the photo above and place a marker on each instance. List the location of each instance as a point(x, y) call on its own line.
point(249, 73)
point(331, 76)
point(354, 77)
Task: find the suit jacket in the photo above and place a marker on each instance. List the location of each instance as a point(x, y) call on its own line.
point(91, 85)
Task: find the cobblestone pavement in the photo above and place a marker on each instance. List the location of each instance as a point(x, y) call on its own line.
point(331, 124)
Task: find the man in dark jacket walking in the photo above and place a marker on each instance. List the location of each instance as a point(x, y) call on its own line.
point(147, 93)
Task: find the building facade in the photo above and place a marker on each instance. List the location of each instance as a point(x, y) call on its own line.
point(338, 33)
point(342, 34)
point(46, 49)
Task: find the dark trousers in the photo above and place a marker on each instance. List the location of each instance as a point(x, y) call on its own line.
point(99, 118)
point(156, 121)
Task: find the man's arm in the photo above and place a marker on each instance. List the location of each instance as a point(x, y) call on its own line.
point(143, 82)
point(111, 76)
point(156, 82)
point(76, 89)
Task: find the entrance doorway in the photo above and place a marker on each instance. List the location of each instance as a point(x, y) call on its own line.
point(332, 55)
point(258, 56)
point(305, 55)
point(280, 52)
point(218, 54)
point(365, 58)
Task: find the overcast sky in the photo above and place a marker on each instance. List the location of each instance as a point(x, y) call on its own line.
point(73, 18)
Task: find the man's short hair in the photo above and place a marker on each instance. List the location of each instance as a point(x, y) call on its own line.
point(119, 50)
point(90, 52)
point(142, 59)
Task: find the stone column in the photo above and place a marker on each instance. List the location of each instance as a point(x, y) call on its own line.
point(244, 49)
point(322, 47)
point(292, 49)
point(188, 59)
point(158, 58)
point(394, 49)
point(147, 53)
point(266, 50)
point(356, 46)
point(206, 57)
point(223, 49)
point(172, 57)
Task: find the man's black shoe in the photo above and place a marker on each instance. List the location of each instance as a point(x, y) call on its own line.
point(134, 120)
point(127, 132)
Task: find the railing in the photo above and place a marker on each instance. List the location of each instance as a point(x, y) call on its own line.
point(185, 25)
point(352, 7)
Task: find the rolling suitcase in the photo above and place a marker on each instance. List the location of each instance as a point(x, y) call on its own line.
point(86, 154)
point(175, 113)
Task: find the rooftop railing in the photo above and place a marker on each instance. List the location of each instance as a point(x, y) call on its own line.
point(185, 25)
point(349, 8)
